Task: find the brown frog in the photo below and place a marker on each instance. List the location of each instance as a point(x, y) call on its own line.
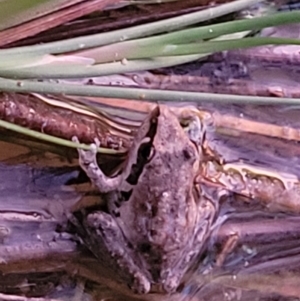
point(156, 220)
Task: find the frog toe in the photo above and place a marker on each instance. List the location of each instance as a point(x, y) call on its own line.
point(141, 284)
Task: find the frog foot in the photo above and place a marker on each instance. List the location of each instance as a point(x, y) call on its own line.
point(87, 157)
point(88, 162)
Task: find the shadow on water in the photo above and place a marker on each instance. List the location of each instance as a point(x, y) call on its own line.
point(253, 252)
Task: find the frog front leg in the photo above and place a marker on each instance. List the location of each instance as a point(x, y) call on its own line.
point(88, 162)
point(104, 229)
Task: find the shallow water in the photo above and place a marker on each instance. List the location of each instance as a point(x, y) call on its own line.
point(251, 249)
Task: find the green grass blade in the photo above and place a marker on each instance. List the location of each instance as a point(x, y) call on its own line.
point(138, 94)
point(97, 40)
point(48, 138)
point(73, 70)
point(79, 71)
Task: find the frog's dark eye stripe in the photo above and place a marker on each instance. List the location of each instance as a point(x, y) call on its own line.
point(145, 152)
point(142, 158)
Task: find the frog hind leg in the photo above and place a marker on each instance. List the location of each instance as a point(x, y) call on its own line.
point(104, 226)
point(181, 263)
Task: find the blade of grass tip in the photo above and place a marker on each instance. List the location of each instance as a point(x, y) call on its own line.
point(26, 86)
point(48, 138)
point(101, 39)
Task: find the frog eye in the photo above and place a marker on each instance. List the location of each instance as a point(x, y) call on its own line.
point(146, 151)
point(194, 129)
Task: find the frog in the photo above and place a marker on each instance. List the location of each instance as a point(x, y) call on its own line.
point(156, 220)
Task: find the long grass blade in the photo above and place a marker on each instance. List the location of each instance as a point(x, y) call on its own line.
point(131, 33)
point(26, 86)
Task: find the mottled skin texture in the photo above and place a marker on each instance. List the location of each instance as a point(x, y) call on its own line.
point(157, 221)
